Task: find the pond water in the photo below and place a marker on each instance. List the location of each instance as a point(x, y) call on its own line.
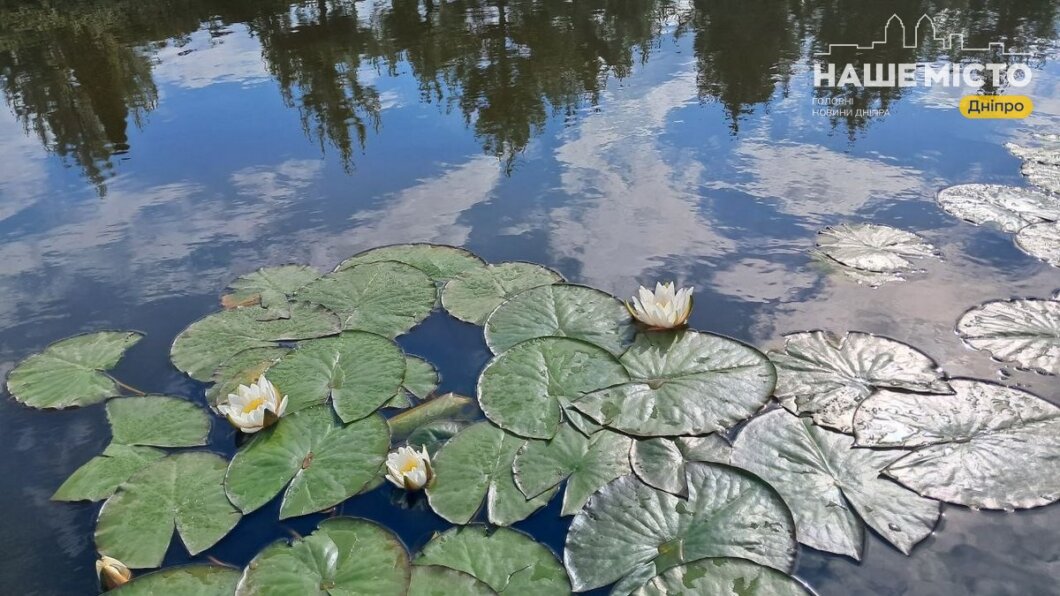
point(153, 150)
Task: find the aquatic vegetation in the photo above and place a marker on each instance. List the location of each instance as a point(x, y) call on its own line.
point(873, 248)
point(1041, 240)
point(254, 407)
point(112, 573)
point(409, 469)
point(1025, 332)
point(666, 308)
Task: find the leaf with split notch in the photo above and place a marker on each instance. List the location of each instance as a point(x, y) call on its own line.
point(421, 380)
point(660, 462)
point(270, 288)
point(101, 475)
point(723, 576)
point(474, 294)
point(439, 261)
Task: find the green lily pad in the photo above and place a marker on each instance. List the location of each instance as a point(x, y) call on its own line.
point(157, 421)
point(344, 555)
point(526, 389)
point(320, 462)
point(183, 490)
point(210, 342)
point(476, 466)
point(510, 562)
point(827, 377)
point(475, 293)
point(70, 372)
point(439, 261)
point(434, 580)
point(357, 371)
point(631, 529)
point(433, 435)
point(1044, 176)
point(986, 446)
point(421, 378)
point(829, 485)
point(101, 475)
point(723, 576)
point(561, 310)
point(872, 247)
point(243, 368)
point(1024, 332)
point(270, 288)
point(1042, 241)
point(197, 580)
point(661, 462)
point(586, 463)
point(683, 383)
point(444, 407)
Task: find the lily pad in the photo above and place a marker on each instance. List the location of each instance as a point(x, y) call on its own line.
point(661, 462)
point(439, 261)
point(829, 485)
point(1009, 207)
point(444, 407)
point(476, 466)
point(101, 475)
point(1045, 177)
point(200, 580)
point(683, 383)
point(631, 529)
point(510, 562)
point(242, 369)
point(157, 421)
point(872, 247)
point(526, 389)
point(208, 343)
point(421, 378)
point(561, 310)
point(386, 298)
point(475, 293)
point(183, 490)
point(70, 372)
point(270, 288)
point(1042, 241)
point(357, 371)
point(827, 377)
point(344, 555)
point(723, 576)
point(586, 463)
point(434, 580)
point(433, 435)
point(986, 446)
point(1025, 332)
point(320, 462)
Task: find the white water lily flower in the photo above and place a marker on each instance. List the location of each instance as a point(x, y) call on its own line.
point(251, 409)
point(408, 469)
point(665, 309)
point(112, 572)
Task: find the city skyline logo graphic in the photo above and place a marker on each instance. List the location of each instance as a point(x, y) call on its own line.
point(927, 24)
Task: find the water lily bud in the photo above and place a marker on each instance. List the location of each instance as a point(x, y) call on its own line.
point(253, 408)
point(408, 469)
point(112, 572)
point(664, 309)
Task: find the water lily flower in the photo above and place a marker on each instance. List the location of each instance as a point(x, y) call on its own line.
point(665, 309)
point(408, 469)
point(112, 572)
point(251, 409)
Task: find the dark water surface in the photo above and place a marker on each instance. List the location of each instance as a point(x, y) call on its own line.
point(152, 150)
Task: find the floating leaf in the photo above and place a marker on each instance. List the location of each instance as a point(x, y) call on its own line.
point(723, 576)
point(871, 247)
point(421, 378)
point(433, 435)
point(661, 462)
point(561, 310)
point(630, 528)
point(586, 463)
point(474, 294)
point(1045, 177)
point(101, 475)
point(1042, 241)
point(986, 446)
point(1049, 154)
point(1026, 332)
point(683, 383)
point(185, 490)
point(434, 580)
point(357, 371)
point(828, 485)
point(244, 368)
point(439, 261)
point(525, 389)
point(269, 287)
point(344, 555)
point(320, 461)
point(445, 407)
point(476, 465)
point(197, 580)
point(210, 342)
point(1009, 207)
point(827, 377)
point(157, 421)
point(510, 562)
point(70, 372)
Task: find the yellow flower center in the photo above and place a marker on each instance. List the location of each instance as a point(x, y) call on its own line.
point(253, 405)
point(410, 466)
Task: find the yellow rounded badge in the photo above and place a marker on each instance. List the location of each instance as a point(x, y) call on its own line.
point(996, 106)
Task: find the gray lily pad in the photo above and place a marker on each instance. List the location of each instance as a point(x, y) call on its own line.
point(359, 372)
point(434, 580)
point(872, 247)
point(508, 561)
point(208, 343)
point(270, 288)
point(439, 261)
point(987, 446)
point(70, 372)
point(1009, 207)
point(1045, 177)
point(101, 475)
point(1024, 332)
point(1042, 241)
point(243, 368)
point(827, 377)
point(526, 389)
point(320, 462)
point(157, 421)
point(387, 298)
point(197, 580)
point(475, 293)
point(683, 383)
point(586, 463)
point(873, 279)
point(444, 407)
point(183, 490)
point(344, 555)
point(723, 576)
point(661, 462)
point(1048, 154)
point(829, 485)
point(631, 529)
point(561, 310)
point(476, 466)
